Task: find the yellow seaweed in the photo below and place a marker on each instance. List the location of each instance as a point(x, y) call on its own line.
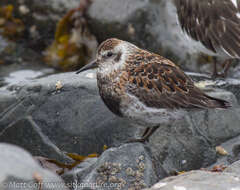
point(10, 27)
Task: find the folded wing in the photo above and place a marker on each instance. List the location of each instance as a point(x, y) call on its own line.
point(160, 84)
point(216, 23)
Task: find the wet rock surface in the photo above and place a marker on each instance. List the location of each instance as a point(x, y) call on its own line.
point(20, 171)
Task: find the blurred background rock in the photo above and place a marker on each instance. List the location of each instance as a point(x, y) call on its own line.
point(65, 34)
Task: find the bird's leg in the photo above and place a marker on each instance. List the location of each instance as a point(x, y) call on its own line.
point(215, 72)
point(146, 135)
point(227, 65)
point(146, 131)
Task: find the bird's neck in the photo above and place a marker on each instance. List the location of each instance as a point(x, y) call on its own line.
point(108, 78)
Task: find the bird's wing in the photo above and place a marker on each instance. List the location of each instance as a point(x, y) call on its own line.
point(161, 84)
point(216, 23)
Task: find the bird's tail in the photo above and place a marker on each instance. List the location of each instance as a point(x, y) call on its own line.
point(218, 103)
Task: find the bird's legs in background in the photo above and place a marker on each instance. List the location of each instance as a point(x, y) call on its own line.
point(227, 63)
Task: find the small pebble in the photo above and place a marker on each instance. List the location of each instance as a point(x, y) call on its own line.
point(220, 150)
point(59, 85)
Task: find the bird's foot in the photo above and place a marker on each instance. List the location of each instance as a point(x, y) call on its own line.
point(146, 135)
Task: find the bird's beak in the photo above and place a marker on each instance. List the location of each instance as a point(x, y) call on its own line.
point(90, 65)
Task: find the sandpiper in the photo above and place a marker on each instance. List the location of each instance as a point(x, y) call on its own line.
point(214, 23)
point(145, 87)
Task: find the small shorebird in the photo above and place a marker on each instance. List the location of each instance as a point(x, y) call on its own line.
point(145, 87)
point(214, 23)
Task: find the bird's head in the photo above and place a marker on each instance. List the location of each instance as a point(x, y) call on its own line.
point(111, 56)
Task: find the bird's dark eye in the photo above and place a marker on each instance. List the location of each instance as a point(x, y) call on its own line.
point(109, 54)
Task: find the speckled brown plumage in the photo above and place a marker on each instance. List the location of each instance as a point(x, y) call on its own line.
point(141, 85)
point(159, 83)
point(108, 45)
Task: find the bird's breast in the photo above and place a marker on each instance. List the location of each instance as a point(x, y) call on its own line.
point(110, 94)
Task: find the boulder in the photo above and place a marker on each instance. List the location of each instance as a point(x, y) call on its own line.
point(234, 168)
point(30, 136)
point(130, 166)
point(20, 171)
point(73, 117)
point(229, 179)
point(200, 180)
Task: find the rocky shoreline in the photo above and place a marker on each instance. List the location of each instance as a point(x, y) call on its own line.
point(46, 113)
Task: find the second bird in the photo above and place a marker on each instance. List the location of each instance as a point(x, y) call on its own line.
point(214, 23)
point(145, 87)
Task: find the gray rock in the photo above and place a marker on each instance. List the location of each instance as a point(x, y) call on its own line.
point(200, 180)
point(74, 119)
point(20, 171)
point(149, 24)
point(232, 148)
point(233, 168)
point(128, 166)
point(30, 136)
